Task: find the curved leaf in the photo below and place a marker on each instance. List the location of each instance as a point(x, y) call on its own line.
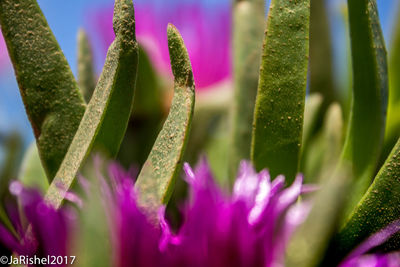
point(278, 117)
point(367, 119)
point(249, 24)
point(156, 179)
point(104, 122)
point(377, 209)
point(393, 114)
point(48, 88)
point(86, 72)
point(321, 63)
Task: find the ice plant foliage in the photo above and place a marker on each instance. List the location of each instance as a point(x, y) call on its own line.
point(263, 218)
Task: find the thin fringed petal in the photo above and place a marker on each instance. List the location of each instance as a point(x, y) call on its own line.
point(49, 229)
point(358, 259)
point(135, 237)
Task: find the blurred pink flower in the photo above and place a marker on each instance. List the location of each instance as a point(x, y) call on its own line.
point(206, 30)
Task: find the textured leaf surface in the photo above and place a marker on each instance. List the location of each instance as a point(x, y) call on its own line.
point(249, 24)
point(104, 122)
point(278, 117)
point(367, 119)
point(86, 71)
point(48, 88)
point(156, 179)
point(378, 208)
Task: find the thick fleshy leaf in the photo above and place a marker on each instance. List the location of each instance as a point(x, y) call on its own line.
point(156, 179)
point(377, 209)
point(86, 71)
point(8, 171)
point(249, 24)
point(333, 135)
point(13, 147)
point(48, 88)
point(367, 119)
point(324, 150)
point(321, 64)
point(278, 118)
point(311, 111)
point(105, 120)
point(32, 174)
point(147, 116)
point(310, 241)
point(393, 114)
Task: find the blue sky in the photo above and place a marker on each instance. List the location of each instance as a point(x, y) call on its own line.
point(66, 16)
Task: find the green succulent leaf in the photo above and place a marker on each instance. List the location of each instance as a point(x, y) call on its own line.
point(8, 170)
point(311, 239)
point(367, 119)
point(278, 117)
point(13, 147)
point(378, 208)
point(324, 149)
point(50, 93)
point(321, 64)
point(86, 71)
point(156, 179)
point(393, 115)
point(105, 120)
point(312, 109)
point(249, 24)
point(32, 173)
point(333, 135)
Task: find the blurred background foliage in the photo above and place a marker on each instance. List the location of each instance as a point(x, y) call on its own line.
point(206, 28)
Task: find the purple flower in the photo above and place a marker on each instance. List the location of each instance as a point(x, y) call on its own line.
point(206, 29)
point(249, 227)
point(359, 258)
point(43, 231)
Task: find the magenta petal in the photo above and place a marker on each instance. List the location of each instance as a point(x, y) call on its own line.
point(356, 258)
point(206, 31)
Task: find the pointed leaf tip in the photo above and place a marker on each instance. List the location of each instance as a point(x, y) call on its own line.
point(180, 63)
point(156, 180)
point(124, 20)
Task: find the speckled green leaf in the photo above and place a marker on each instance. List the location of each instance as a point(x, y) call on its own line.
point(278, 117)
point(379, 207)
point(48, 88)
point(104, 122)
point(367, 119)
point(86, 71)
point(156, 179)
point(249, 24)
